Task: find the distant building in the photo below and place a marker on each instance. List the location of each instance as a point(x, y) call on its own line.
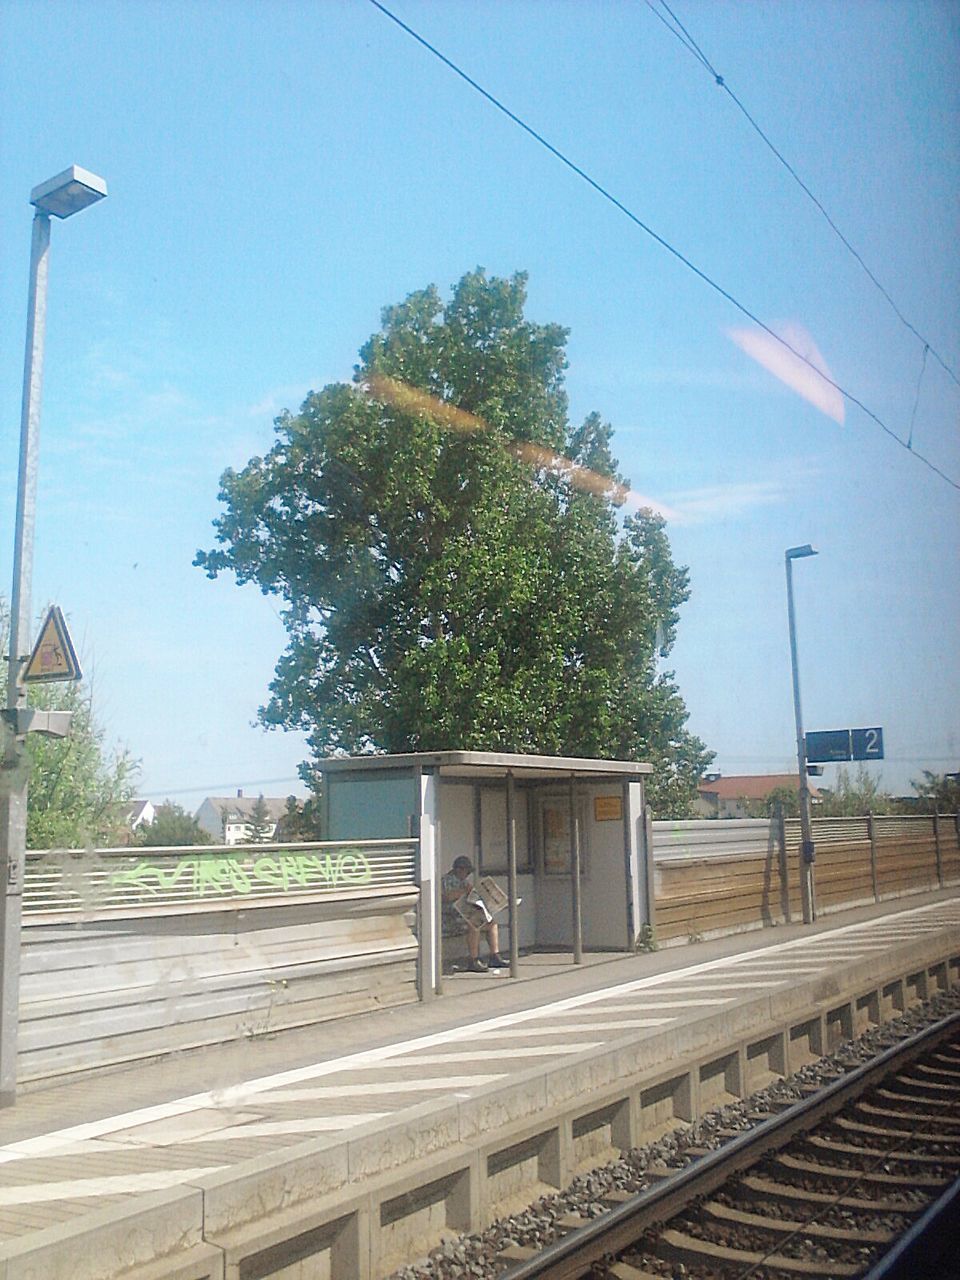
point(742, 795)
point(140, 813)
point(229, 819)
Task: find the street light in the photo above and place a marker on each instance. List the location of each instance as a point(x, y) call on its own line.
point(807, 897)
point(62, 196)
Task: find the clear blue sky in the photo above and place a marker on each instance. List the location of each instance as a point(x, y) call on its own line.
point(280, 170)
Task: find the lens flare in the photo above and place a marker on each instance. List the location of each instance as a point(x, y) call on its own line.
point(402, 396)
point(805, 373)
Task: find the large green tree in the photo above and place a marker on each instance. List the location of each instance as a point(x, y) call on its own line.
point(449, 551)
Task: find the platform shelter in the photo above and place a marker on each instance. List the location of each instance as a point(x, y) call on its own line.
point(567, 838)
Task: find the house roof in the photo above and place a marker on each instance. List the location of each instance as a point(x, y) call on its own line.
point(136, 808)
point(750, 786)
point(240, 808)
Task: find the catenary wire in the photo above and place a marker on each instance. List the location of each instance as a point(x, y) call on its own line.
point(916, 400)
point(688, 41)
point(665, 244)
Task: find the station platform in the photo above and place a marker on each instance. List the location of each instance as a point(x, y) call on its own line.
point(337, 1150)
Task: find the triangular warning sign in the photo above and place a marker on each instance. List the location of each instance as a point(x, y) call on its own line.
point(53, 657)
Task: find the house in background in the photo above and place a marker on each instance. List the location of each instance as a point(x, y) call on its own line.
point(742, 795)
point(140, 813)
point(231, 819)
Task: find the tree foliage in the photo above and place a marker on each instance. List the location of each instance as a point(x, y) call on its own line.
point(299, 821)
point(451, 561)
point(937, 793)
point(78, 789)
point(260, 825)
point(855, 795)
point(172, 826)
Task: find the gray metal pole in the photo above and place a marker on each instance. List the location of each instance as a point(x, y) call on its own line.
point(807, 854)
point(13, 789)
point(512, 913)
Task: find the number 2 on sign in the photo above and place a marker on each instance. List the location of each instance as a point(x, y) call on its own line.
point(873, 742)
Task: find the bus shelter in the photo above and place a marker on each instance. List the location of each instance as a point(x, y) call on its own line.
point(567, 838)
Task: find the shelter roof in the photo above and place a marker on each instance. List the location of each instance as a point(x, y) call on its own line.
point(487, 764)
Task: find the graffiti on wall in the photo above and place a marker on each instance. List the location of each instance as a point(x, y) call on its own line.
point(206, 873)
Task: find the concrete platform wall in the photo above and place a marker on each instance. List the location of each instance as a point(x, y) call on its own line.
point(355, 1207)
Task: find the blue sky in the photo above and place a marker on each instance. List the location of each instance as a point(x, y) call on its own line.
point(280, 171)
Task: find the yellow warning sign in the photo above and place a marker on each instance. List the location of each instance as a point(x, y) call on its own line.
point(53, 657)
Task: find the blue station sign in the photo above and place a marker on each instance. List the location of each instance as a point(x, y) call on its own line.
point(833, 745)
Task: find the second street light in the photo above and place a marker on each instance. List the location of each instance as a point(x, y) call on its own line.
point(62, 196)
point(807, 892)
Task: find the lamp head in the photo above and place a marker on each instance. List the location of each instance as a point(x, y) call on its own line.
point(68, 192)
point(797, 553)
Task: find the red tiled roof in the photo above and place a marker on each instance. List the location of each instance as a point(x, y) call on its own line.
point(750, 786)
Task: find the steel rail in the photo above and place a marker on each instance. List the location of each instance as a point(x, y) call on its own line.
point(928, 1248)
point(569, 1257)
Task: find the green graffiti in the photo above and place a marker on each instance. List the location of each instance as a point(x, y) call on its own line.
point(211, 874)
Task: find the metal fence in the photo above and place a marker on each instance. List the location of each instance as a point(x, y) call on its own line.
point(98, 879)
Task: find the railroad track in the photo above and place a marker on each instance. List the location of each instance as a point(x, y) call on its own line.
point(854, 1181)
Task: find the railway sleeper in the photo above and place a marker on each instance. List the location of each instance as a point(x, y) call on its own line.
point(935, 1086)
point(786, 1227)
point(677, 1246)
point(918, 1117)
point(944, 1073)
point(834, 1174)
point(871, 1153)
point(788, 1194)
point(624, 1271)
point(922, 1105)
point(882, 1131)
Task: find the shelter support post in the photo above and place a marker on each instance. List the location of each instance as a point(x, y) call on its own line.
point(512, 913)
point(575, 872)
point(428, 835)
point(872, 831)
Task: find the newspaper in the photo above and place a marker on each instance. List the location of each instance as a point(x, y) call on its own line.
point(479, 905)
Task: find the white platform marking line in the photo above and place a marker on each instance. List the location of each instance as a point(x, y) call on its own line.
point(645, 1002)
point(237, 1094)
point(368, 1088)
point(512, 1033)
point(733, 981)
point(113, 1185)
point(275, 1128)
point(471, 1055)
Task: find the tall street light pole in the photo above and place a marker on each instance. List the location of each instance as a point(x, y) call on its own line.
point(807, 894)
point(62, 196)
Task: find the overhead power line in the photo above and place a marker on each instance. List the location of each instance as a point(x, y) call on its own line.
point(665, 244)
point(689, 43)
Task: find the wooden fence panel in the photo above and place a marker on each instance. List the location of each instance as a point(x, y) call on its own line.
point(709, 897)
point(121, 987)
point(949, 848)
point(705, 896)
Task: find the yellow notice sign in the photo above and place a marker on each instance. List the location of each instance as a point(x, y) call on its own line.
point(607, 808)
point(53, 657)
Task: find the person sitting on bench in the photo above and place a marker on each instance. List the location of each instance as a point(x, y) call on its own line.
point(454, 885)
